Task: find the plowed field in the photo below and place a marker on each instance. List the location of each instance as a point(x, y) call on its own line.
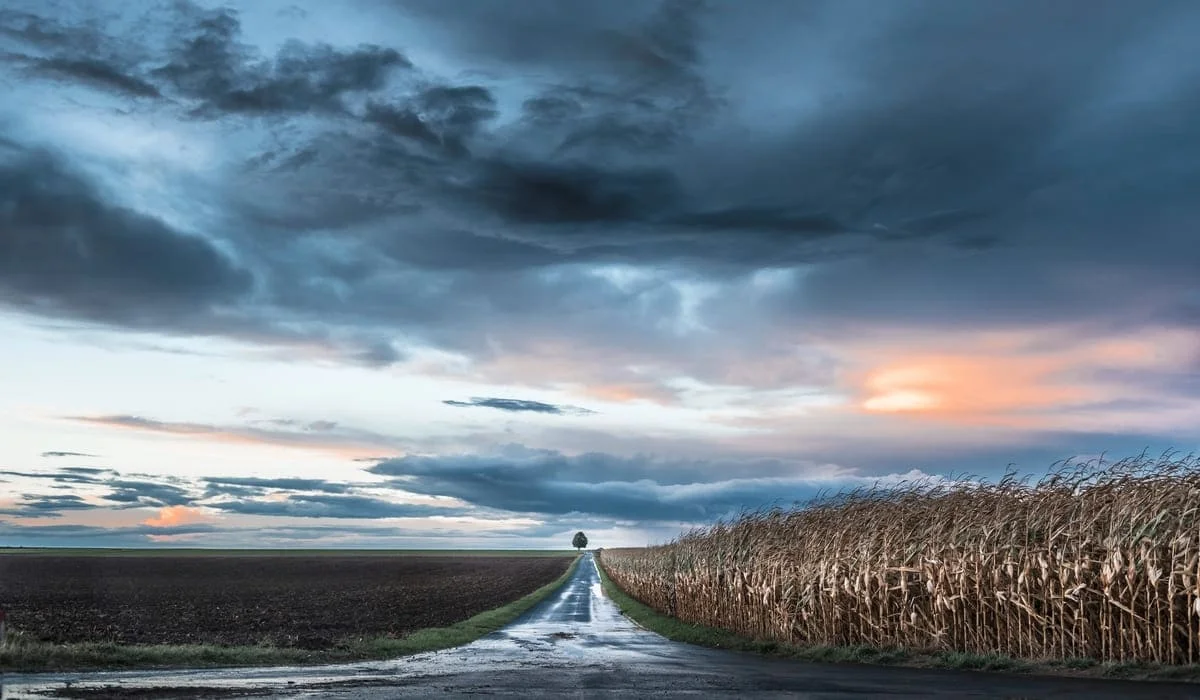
point(311, 602)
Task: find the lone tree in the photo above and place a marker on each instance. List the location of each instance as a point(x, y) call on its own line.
point(580, 541)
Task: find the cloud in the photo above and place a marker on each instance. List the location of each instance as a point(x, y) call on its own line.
point(181, 501)
point(96, 73)
point(519, 406)
point(1043, 378)
point(441, 118)
point(68, 535)
point(321, 436)
point(644, 143)
point(282, 484)
point(69, 475)
point(543, 484)
point(67, 454)
point(176, 516)
point(778, 224)
point(147, 493)
point(212, 66)
point(68, 251)
point(570, 193)
point(334, 506)
point(139, 491)
point(47, 506)
point(548, 482)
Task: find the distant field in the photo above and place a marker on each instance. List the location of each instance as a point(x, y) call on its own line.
point(293, 599)
point(198, 552)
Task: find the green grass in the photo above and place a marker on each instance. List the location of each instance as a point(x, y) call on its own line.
point(680, 631)
point(200, 552)
point(23, 655)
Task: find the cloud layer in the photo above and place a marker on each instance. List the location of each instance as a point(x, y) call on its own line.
point(707, 244)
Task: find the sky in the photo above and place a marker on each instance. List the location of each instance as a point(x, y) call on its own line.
point(482, 273)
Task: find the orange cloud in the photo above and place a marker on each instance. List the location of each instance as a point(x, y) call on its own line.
point(173, 516)
point(1014, 379)
point(623, 393)
point(971, 389)
point(350, 445)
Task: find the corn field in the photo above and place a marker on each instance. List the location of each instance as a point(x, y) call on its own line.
point(1098, 561)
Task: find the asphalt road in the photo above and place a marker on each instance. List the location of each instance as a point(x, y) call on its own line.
point(577, 644)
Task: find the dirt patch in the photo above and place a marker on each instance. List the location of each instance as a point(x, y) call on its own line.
point(309, 602)
point(154, 693)
point(187, 691)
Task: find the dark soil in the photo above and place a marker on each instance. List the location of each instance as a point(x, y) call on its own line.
point(310, 602)
point(157, 693)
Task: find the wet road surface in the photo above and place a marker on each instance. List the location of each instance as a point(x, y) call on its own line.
point(576, 644)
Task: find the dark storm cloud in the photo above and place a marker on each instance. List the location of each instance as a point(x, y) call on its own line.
point(622, 79)
point(551, 483)
point(75, 53)
point(64, 476)
point(67, 250)
point(332, 181)
point(138, 490)
point(56, 453)
point(967, 142)
point(307, 498)
point(225, 490)
point(764, 219)
point(515, 479)
point(930, 163)
point(442, 118)
point(650, 47)
point(915, 160)
point(36, 30)
point(571, 193)
point(334, 506)
point(585, 121)
point(995, 146)
point(379, 354)
point(211, 64)
point(147, 493)
point(283, 484)
point(519, 406)
point(538, 32)
point(442, 251)
point(47, 506)
point(94, 72)
point(207, 64)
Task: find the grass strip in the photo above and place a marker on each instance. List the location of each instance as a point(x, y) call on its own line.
point(21, 654)
point(677, 630)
